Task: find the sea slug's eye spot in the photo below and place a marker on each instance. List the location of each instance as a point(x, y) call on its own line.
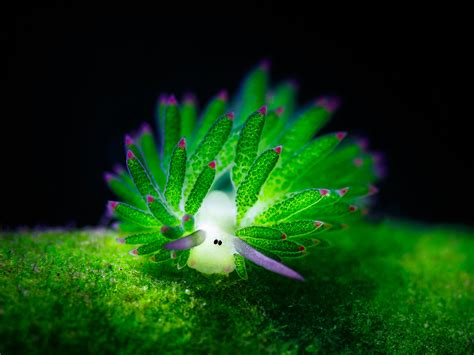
point(215, 241)
point(220, 242)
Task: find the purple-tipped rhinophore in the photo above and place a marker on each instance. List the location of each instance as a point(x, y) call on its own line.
point(187, 242)
point(264, 261)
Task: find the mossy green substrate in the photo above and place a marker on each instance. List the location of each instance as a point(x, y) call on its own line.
point(386, 287)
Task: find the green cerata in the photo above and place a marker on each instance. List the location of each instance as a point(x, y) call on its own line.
point(245, 180)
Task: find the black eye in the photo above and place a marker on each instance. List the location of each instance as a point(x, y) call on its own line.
point(215, 241)
point(220, 242)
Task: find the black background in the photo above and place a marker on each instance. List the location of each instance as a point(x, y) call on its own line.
point(75, 81)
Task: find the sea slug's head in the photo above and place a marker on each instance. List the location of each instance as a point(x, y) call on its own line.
point(215, 255)
point(216, 219)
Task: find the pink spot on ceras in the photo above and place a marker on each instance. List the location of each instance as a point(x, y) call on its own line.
point(318, 224)
point(353, 208)
point(230, 116)
point(343, 191)
point(113, 205)
point(182, 143)
point(279, 111)
point(164, 229)
point(173, 255)
point(363, 143)
point(128, 140)
point(150, 199)
point(341, 135)
point(133, 252)
point(301, 248)
point(222, 95)
point(373, 190)
point(121, 240)
point(186, 218)
point(212, 164)
point(329, 103)
point(278, 149)
point(283, 236)
point(172, 100)
point(263, 110)
point(358, 162)
point(324, 192)
point(130, 155)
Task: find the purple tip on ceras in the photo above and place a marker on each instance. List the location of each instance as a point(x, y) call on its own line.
point(329, 103)
point(189, 99)
point(373, 190)
point(172, 100)
point(120, 240)
point(150, 198)
point(128, 140)
point(223, 95)
point(145, 128)
point(278, 149)
point(118, 169)
point(182, 143)
point(341, 135)
point(133, 252)
point(111, 206)
point(265, 64)
point(363, 143)
point(163, 99)
point(108, 177)
point(263, 110)
point(380, 165)
point(230, 116)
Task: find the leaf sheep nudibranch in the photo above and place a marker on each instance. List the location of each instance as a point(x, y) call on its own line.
point(219, 190)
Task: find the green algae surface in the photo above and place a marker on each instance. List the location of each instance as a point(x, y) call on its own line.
point(390, 286)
